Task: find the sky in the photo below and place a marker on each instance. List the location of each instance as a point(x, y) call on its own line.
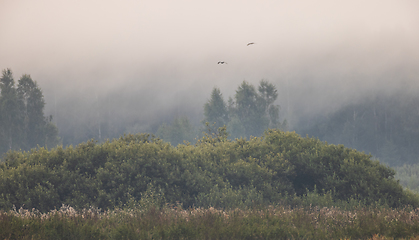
point(153, 57)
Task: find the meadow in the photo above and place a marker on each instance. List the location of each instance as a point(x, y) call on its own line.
point(174, 222)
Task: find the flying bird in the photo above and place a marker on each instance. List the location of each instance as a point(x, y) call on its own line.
point(220, 62)
point(250, 43)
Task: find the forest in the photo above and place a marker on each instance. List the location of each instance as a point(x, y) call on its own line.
point(23, 125)
point(240, 171)
point(384, 124)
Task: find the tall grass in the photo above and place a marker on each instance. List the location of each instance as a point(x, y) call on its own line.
point(271, 222)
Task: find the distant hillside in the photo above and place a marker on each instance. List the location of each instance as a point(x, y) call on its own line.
point(386, 126)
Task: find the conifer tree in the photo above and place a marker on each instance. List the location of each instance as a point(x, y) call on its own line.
point(11, 113)
point(33, 110)
point(249, 113)
point(215, 110)
point(249, 108)
point(22, 122)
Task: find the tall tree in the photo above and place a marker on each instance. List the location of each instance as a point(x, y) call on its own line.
point(215, 110)
point(268, 95)
point(250, 109)
point(11, 112)
point(22, 122)
point(33, 110)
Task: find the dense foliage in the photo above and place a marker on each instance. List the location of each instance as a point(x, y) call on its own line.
point(214, 172)
point(22, 121)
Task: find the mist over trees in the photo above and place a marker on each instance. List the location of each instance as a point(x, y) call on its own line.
point(250, 113)
point(387, 126)
point(383, 124)
point(181, 130)
point(22, 122)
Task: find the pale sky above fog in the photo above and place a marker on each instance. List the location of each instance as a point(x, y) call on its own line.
point(170, 49)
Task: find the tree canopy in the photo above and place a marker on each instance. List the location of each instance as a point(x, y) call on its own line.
point(250, 113)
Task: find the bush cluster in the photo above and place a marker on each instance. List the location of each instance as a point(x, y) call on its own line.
point(214, 172)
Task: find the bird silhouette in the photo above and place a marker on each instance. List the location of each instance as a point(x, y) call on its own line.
point(250, 43)
point(220, 62)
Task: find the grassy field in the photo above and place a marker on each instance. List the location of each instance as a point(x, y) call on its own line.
point(176, 223)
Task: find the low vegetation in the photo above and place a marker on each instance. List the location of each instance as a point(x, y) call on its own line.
point(198, 223)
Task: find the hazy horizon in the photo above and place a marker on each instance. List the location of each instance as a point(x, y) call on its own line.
point(151, 58)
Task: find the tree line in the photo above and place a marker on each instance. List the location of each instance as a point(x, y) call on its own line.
point(249, 113)
point(386, 126)
point(22, 122)
point(24, 126)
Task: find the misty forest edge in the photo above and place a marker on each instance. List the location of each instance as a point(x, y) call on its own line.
point(216, 171)
point(383, 124)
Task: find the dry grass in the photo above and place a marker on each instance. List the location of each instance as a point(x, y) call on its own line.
point(198, 223)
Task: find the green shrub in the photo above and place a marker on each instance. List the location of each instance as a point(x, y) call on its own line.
point(139, 169)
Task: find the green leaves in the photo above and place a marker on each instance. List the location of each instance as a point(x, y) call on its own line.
point(139, 170)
